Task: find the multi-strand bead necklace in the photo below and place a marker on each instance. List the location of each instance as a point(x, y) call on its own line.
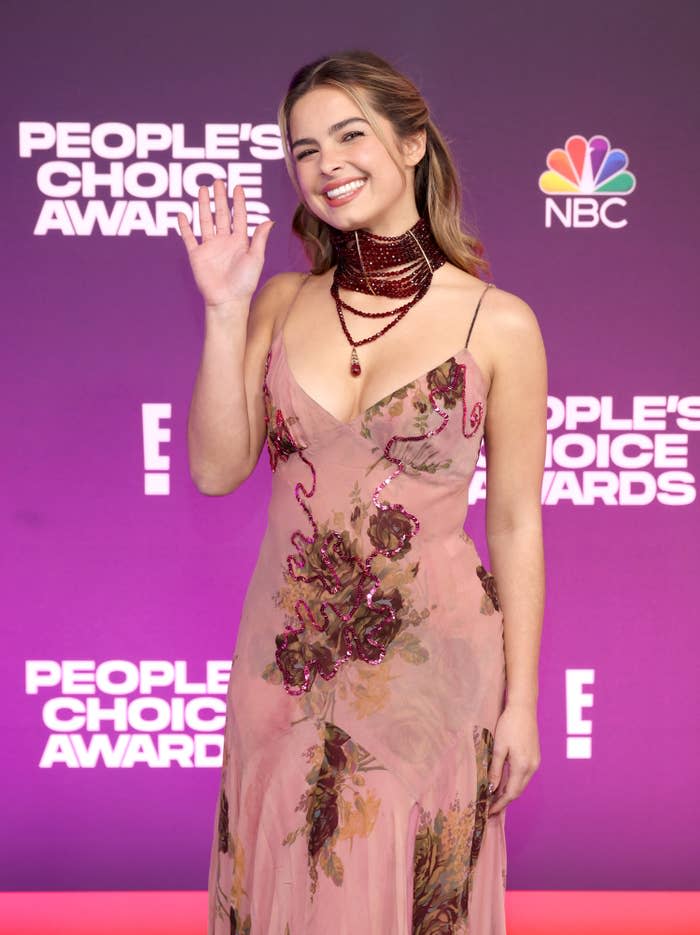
point(367, 263)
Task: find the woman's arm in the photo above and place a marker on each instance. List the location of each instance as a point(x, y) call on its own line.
point(226, 420)
point(516, 433)
point(515, 440)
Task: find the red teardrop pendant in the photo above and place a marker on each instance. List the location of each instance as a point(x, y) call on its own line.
point(355, 369)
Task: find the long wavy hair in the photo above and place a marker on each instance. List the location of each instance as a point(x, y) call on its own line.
point(370, 80)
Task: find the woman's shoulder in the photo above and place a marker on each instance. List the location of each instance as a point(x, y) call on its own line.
point(512, 336)
point(512, 317)
point(277, 292)
point(506, 327)
point(503, 314)
point(285, 285)
point(271, 303)
point(284, 281)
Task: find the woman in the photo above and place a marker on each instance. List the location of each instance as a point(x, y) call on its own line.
point(369, 749)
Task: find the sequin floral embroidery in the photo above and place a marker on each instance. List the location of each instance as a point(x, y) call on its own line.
point(365, 688)
point(357, 619)
point(281, 443)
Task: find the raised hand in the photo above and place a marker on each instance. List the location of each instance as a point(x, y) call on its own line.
point(226, 265)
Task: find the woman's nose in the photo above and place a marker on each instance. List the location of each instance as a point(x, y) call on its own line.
point(329, 162)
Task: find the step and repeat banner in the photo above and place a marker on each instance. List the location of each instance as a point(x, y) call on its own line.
point(123, 584)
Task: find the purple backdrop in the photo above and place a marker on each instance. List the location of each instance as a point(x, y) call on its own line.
point(101, 321)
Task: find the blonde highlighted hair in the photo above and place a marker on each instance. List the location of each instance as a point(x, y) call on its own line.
point(369, 79)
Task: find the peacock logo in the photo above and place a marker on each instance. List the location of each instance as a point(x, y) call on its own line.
point(586, 170)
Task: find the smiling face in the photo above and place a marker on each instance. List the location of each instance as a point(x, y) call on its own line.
point(334, 147)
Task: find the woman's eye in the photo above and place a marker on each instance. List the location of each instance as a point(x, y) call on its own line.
point(346, 136)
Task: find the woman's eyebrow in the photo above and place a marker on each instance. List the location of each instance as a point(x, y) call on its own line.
point(331, 130)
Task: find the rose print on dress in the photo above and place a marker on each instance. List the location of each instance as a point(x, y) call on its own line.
point(390, 531)
point(281, 444)
point(297, 658)
point(393, 404)
point(239, 926)
point(358, 620)
point(449, 380)
point(446, 850)
point(338, 805)
point(338, 621)
point(364, 688)
point(489, 603)
point(483, 744)
point(229, 904)
point(223, 823)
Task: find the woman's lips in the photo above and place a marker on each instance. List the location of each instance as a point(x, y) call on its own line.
point(343, 199)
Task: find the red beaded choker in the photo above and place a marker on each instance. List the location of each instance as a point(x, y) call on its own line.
point(367, 263)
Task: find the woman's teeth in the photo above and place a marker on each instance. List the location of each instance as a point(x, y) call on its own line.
point(345, 189)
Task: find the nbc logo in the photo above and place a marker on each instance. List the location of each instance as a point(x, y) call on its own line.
point(591, 177)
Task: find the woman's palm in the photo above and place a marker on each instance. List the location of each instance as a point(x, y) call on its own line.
point(226, 265)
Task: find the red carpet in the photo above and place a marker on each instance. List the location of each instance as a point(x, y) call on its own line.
point(178, 913)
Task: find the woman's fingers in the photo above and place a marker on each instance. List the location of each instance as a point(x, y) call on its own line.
point(188, 237)
point(205, 220)
point(497, 763)
point(240, 217)
point(518, 778)
point(222, 216)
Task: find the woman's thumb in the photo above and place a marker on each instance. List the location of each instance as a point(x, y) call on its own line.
point(260, 235)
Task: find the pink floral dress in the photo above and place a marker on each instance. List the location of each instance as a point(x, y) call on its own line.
point(368, 676)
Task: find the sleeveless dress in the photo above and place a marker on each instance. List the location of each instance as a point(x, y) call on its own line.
point(367, 679)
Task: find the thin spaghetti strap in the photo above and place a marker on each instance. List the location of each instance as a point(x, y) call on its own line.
point(476, 312)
